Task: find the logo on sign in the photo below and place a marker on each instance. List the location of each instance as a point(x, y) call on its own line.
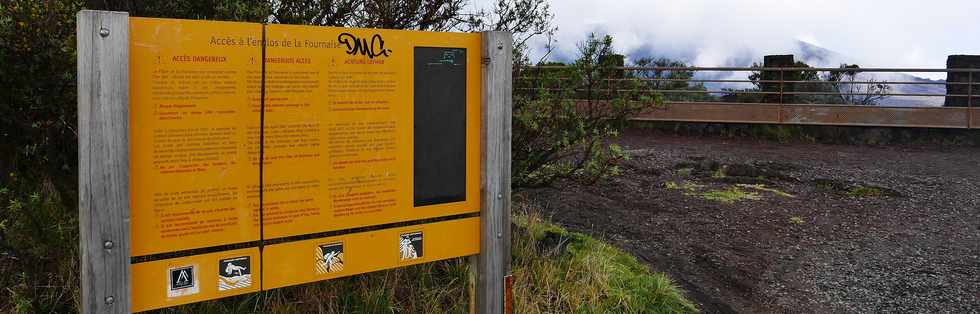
point(373, 48)
point(234, 273)
point(410, 245)
point(182, 281)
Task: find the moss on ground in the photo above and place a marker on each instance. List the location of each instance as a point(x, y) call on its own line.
point(579, 274)
point(763, 187)
point(727, 195)
point(686, 186)
point(730, 195)
point(864, 191)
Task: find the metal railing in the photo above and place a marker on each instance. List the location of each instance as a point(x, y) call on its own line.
point(778, 95)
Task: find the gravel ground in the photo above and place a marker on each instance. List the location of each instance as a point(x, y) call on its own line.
point(862, 229)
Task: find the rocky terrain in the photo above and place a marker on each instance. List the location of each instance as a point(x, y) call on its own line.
point(752, 227)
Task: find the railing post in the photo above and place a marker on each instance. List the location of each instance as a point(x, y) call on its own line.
point(782, 81)
point(103, 160)
point(969, 103)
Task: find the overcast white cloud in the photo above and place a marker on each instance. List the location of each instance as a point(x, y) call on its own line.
point(900, 33)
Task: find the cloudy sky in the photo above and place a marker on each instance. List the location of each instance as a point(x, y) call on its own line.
point(873, 33)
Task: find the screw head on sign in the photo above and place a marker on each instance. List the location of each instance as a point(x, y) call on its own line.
point(104, 32)
point(110, 300)
point(500, 196)
point(108, 245)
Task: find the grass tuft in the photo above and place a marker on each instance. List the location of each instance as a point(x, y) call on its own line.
point(720, 173)
point(686, 186)
point(685, 172)
point(588, 276)
point(864, 191)
point(796, 220)
point(763, 187)
point(730, 195)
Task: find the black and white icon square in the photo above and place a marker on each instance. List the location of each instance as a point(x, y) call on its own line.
point(329, 258)
point(234, 273)
point(181, 278)
point(410, 245)
point(182, 281)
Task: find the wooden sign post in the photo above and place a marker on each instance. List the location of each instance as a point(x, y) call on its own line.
point(103, 160)
point(494, 260)
point(222, 158)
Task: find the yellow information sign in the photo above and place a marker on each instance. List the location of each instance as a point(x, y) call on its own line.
point(339, 127)
point(355, 128)
point(318, 259)
point(194, 117)
point(177, 281)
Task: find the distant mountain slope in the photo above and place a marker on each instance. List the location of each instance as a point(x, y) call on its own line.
point(817, 56)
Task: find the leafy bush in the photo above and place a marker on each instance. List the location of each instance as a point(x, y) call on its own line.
point(846, 86)
point(565, 115)
point(38, 173)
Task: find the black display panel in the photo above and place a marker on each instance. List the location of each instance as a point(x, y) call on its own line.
point(440, 125)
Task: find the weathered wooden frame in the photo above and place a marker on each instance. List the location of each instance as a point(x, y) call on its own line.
point(493, 264)
point(103, 163)
point(103, 160)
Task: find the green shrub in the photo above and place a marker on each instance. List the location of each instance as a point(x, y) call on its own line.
point(564, 116)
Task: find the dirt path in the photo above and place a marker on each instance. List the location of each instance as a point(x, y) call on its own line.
point(821, 228)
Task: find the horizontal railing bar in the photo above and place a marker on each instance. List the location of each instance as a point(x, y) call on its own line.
point(876, 94)
point(749, 92)
point(776, 105)
point(773, 69)
point(760, 81)
point(897, 124)
point(654, 91)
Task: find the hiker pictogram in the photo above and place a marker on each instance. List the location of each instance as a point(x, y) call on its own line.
point(234, 273)
point(329, 258)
